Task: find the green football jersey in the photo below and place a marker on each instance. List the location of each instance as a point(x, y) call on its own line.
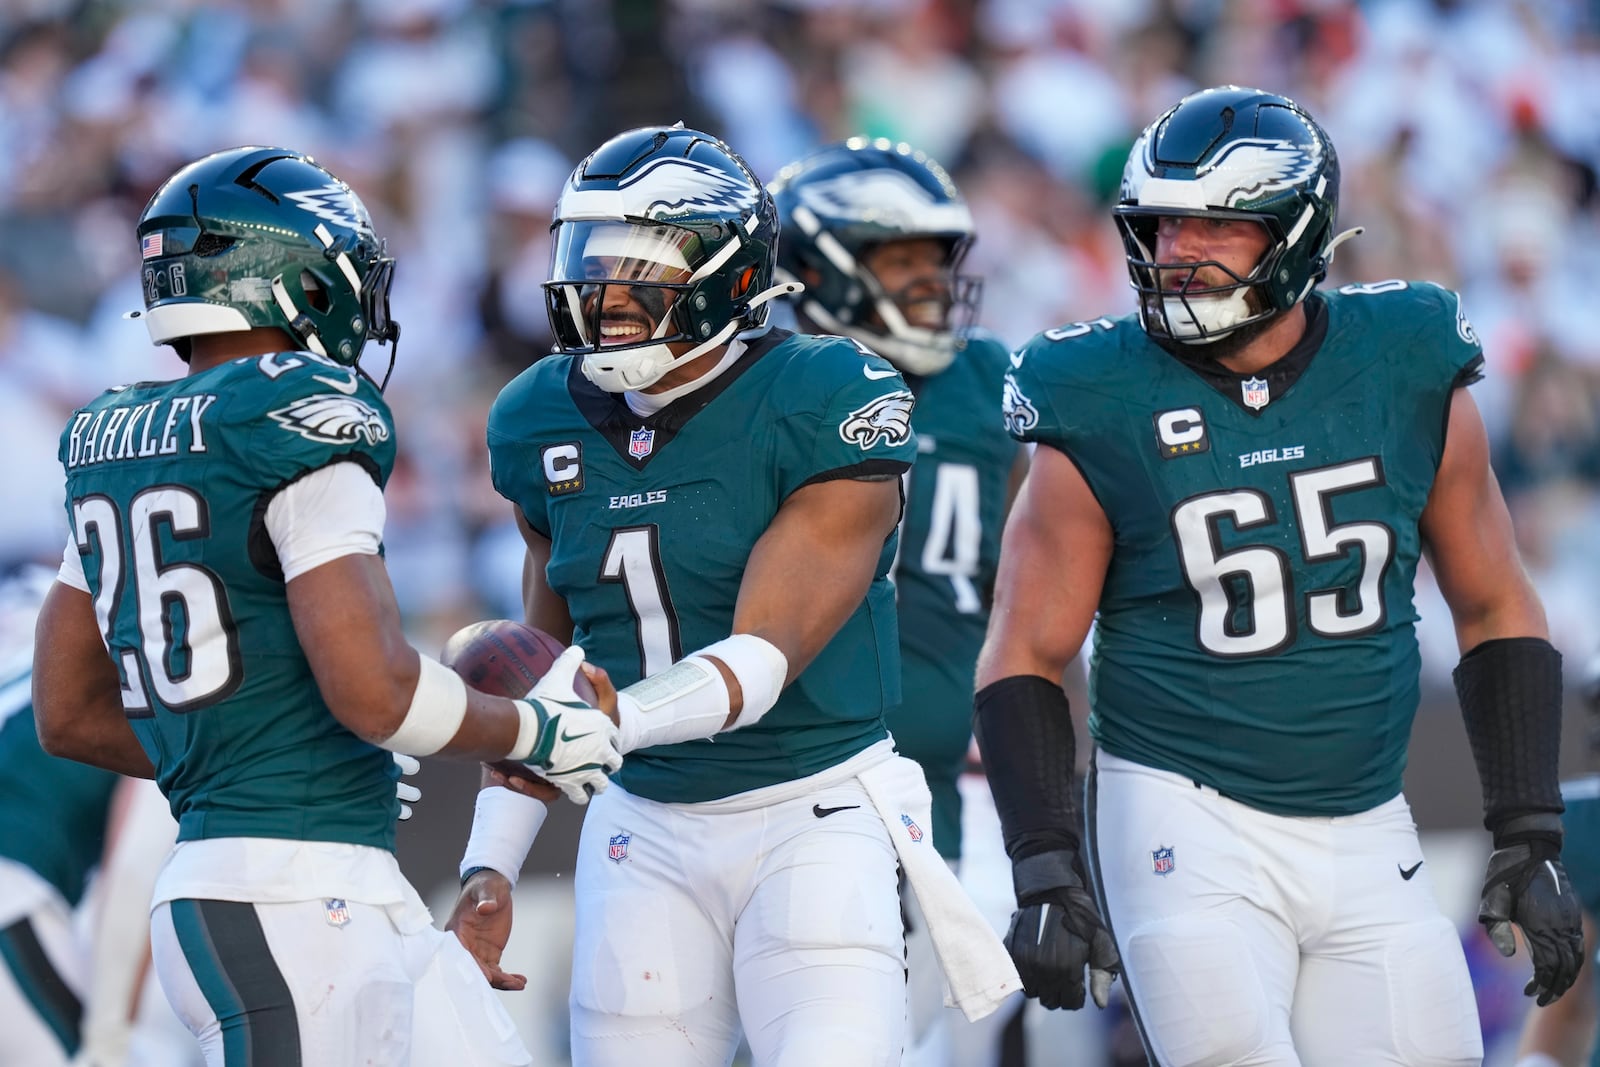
point(62, 847)
point(651, 521)
point(944, 577)
point(167, 491)
point(1256, 627)
point(1580, 854)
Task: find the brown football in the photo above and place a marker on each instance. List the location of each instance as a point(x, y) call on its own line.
point(507, 658)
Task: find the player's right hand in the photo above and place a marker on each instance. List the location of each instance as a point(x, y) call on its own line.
point(577, 748)
point(1056, 932)
point(481, 921)
point(1527, 885)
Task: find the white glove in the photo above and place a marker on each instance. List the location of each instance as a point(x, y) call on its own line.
point(577, 747)
point(408, 794)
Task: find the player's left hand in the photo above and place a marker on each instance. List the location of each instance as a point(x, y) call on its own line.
point(408, 794)
point(1527, 885)
point(1056, 932)
point(481, 921)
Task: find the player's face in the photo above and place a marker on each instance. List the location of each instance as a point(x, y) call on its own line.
point(1234, 244)
point(915, 272)
point(628, 314)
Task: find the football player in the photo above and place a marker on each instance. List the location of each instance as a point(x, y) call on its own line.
point(225, 552)
point(1563, 1034)
point(1240, 479)
point(876, 232)
point(710, 506)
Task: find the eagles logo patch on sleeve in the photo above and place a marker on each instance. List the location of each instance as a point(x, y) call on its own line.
point(334, 419)
point(885, 418)
point(1020, 414)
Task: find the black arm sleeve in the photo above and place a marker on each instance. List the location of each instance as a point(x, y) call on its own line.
point(1024, 729)
point(1510, 693)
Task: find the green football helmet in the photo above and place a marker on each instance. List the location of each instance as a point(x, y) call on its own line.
point(1237, 153)
point(842, 200)
point(680, 223)
point(254, 236)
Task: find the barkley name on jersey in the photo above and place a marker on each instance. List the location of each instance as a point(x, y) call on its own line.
point(651, 520)
point(1259, 520)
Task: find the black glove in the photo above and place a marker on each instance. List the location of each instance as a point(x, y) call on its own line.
point(1056, 931)
point(1527, 885)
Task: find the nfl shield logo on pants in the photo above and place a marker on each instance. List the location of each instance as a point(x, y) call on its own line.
point(619, 847)
point(642, 442)
point(1256, 393)
point(1161, 860)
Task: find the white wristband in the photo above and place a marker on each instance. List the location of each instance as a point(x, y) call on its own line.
point(685, 702)
point(761, 668)
point(438, 705)
point(690, 700)
point(504, 824)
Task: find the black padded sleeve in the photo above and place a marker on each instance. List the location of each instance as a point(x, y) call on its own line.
point(1510, 693)
point(1024, 729)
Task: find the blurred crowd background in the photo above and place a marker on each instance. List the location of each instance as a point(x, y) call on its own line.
point(1468, 130)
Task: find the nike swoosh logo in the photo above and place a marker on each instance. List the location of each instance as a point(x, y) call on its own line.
point(875, 375)
point(1016, 359)
point(348, 387)
point(1407, 873)
point(579, 737)
point(822, 813)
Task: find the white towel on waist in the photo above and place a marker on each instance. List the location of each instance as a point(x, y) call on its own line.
point(976, 965)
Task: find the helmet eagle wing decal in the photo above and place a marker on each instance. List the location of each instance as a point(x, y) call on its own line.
point(665, 188)
point(333, 203)
point(1249, 168)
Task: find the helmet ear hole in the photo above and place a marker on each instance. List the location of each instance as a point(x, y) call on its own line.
point(316, 292)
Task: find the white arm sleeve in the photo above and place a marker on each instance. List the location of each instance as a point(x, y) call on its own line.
point(332, 512)
point(71, 572)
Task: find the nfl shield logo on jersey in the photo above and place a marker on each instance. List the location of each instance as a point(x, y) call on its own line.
point(618, 850)
point(1255, 393)
point(338, 911)
point(911, 827)
point(1161, 860)
point(641, 443)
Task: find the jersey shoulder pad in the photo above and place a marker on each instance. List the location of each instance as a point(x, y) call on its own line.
point(815, 368)
point(838, 406)
point(517, 409)
point(1081, 360)
point(1418, 323)
point(1086, 352)
point(299, 411)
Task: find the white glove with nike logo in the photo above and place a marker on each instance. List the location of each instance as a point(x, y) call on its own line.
point(577, 745)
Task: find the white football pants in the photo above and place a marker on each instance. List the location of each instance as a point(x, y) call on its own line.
point(693, 920)
point(1256, 939)
point(310, 983)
